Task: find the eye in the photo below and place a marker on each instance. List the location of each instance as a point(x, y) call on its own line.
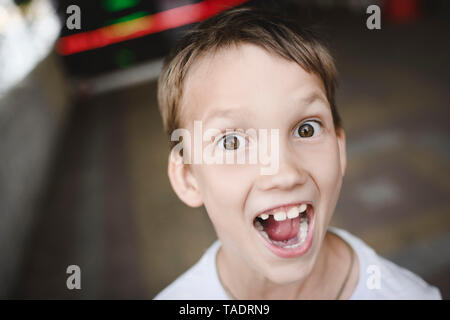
point(232, 142)
point(308, 129)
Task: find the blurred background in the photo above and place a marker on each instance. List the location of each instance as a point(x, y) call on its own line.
point(83, 155)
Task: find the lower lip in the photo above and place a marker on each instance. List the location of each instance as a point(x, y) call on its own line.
point(293, 252)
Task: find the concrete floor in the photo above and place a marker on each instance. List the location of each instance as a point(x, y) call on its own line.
point(110, 209)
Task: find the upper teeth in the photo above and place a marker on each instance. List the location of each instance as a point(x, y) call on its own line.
point(279, 216)
point(292, 213)
point(264, 216)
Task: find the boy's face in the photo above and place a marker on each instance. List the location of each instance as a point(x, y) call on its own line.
point(246, 87)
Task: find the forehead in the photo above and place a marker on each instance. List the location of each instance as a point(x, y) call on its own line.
point(244, 77)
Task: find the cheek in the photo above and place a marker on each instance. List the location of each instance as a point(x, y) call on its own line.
point(224, 189)
point(326, 171)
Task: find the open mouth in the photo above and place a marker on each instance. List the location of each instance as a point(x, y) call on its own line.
point(287, 230)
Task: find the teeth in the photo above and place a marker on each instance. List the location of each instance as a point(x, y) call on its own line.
point(303, 237)
point(304, 226)
point(265, 235)
point(302, 207)
point(293, 213)
point(259, 226)
point(303, 230)
point(279, 216)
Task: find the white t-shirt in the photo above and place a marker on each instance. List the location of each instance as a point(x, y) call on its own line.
point(378, 278)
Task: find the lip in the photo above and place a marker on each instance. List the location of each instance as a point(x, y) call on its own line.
point(293, 252)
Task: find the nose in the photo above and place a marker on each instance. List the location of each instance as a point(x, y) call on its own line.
point(290, 173)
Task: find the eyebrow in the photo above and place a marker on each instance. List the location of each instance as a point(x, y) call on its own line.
point(236, 114)
point(311, 97)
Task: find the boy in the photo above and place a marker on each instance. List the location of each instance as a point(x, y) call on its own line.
point(249, 69)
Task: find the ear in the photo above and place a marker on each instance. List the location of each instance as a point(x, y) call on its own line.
point(340, 134)
point(183, 181)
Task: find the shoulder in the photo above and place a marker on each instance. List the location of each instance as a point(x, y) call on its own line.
point(380, 278)
point(200, 282)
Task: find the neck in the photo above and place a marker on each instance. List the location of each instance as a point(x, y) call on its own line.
point(242, 282)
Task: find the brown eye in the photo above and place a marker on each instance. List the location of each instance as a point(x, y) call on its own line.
point(305, 131)
point(308, 129)
point(231, 142)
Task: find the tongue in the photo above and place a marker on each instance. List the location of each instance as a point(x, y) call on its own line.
point(281, 230)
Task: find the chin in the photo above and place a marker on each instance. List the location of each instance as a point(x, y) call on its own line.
point(286, 273)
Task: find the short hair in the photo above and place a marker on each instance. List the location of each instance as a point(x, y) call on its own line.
point(268, 30)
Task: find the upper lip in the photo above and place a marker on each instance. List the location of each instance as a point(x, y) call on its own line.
point(275, 208)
